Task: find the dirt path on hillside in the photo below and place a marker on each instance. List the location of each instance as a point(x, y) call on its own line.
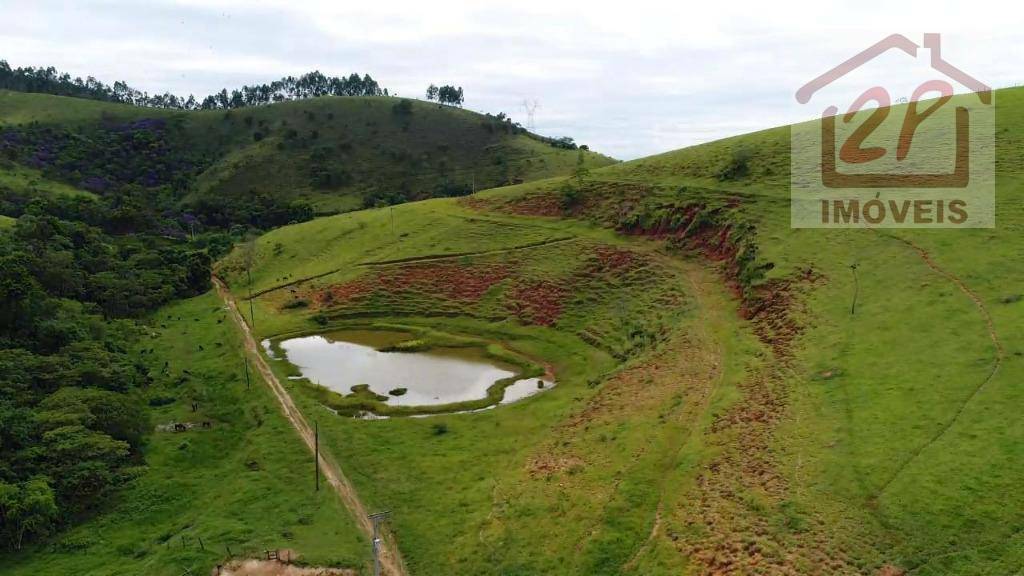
point(441, 257)
point(740, 517)
point(700, 401)
point(1000, 356)
point(254, 567)
point(391, 559)
point(416, 260)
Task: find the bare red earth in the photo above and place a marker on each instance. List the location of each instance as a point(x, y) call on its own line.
point(538, 302)
point(450, 280)
point(612, 259)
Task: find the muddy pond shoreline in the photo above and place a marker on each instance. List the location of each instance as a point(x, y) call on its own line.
point(371, 371)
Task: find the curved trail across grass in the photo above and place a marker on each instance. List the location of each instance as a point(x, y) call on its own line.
point(1000, 355)
point(391, 559)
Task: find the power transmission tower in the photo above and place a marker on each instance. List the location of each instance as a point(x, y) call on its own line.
point(377, 519)
point(530, 107)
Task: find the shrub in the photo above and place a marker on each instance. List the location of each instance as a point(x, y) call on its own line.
point(402, 108)
point(738, 165)
point(161, 400)
point(569, 195)
point(439, 429)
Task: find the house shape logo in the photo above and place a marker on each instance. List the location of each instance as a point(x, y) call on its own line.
point(853, 153)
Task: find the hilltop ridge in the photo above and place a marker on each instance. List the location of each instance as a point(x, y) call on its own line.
point(335, 153)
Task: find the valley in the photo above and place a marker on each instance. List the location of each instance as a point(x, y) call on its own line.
point(720, 393)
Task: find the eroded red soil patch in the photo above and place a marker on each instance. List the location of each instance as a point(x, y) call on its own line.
point(612, 259)
point(545, 465)
point(772, 308)
point(342, 293)
point(740, 520)
point(450, 280)
point(537, 302)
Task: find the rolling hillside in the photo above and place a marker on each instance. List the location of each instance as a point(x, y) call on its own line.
point(337, 153)
point(734, 396)
point(881, 441)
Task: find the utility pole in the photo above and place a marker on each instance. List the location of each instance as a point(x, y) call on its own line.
point(245, 360)
point(377, 518)
point(856, 288)
point(252, 314)
point(316, 451)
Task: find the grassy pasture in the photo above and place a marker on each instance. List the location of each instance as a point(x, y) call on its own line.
point(245, 484)
point(883, 437)
point(896, 443)
point(31, 182)
point(899, 432)
point(636, 353)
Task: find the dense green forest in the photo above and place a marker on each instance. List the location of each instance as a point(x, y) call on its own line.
point(71, 419)
point(310, 85)
point(143, 169)
point(77, 273)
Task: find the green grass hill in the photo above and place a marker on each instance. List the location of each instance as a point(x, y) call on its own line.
point(337, 153)
point(874, 442)
point(734, 396)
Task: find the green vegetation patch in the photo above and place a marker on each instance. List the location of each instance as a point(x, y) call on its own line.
point(236, 477)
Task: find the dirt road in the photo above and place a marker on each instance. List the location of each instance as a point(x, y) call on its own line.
point(391, 559)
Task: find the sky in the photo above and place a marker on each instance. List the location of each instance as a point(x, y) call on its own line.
point(628, 78)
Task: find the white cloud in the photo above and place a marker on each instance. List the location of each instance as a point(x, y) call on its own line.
point(628, 78)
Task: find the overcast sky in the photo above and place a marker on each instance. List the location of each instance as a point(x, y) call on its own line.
point(629, 78)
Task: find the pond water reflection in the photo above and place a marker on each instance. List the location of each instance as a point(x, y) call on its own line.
point(343, 359)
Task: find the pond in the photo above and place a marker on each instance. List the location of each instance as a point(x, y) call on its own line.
point(343, 359)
